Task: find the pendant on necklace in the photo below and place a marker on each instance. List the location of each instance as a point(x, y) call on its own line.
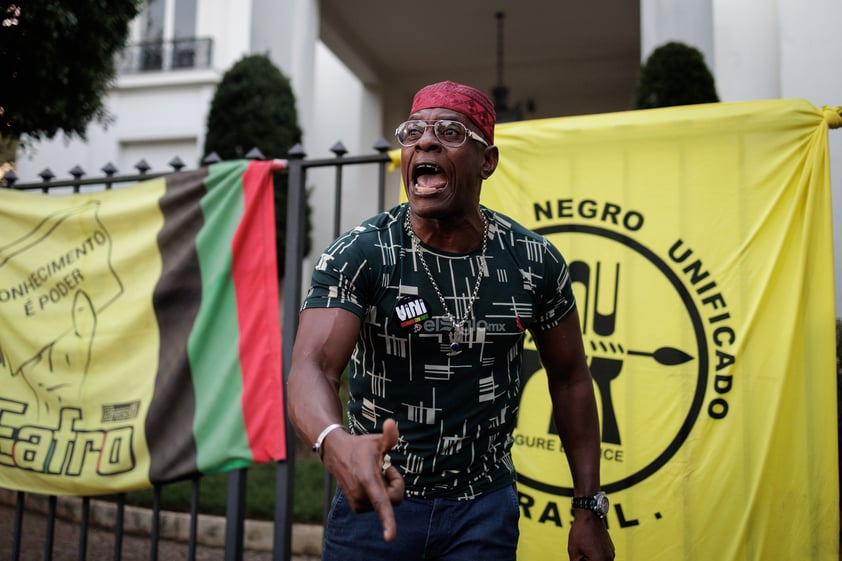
point(455, 338)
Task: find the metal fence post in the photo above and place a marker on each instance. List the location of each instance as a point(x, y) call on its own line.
point(235, 514)
point(294, 251)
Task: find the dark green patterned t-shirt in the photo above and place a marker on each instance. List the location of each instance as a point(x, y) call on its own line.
point(455, 410)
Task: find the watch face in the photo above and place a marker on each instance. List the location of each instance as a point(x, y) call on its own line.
point(597, 503)
point(601, 504)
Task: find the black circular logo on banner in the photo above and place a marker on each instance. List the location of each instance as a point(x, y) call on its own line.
point(669, 375)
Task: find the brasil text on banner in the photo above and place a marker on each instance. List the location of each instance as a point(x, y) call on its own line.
point(139, 332)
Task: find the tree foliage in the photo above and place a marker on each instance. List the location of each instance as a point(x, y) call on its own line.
point(56, 63)
point(254, 107)
point(674, 74)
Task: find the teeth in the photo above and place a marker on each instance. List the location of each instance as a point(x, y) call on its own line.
point(424, 190)
point(427, 167)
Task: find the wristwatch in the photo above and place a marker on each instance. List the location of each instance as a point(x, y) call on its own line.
point(597, 503)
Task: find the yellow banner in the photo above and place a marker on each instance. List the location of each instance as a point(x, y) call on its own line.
point(700, 244)
point(699, 239)
point(74, 363)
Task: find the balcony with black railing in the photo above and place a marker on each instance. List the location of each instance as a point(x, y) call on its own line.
point(166, 55)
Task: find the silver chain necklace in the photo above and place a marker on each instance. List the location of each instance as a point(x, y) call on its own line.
point(457, 332)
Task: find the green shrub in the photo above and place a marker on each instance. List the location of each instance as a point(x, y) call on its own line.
point(674, 74)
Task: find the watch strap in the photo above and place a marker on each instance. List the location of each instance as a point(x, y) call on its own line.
point(595, 503)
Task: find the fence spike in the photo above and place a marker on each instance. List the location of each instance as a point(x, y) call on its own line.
point(255, 154)
point(297, 151)
point(339, 149)
point(211, 158)
point(109, 169)
point(142, 166)
point(381, 145)
point(77, 172)
point(176, 164)
point(47, 175)
point(10, 177)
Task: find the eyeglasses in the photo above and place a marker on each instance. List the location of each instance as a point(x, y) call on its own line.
point(450, 133)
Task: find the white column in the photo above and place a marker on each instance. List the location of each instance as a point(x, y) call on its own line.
point(811, 51)
point(747, 44)
point(687, 21)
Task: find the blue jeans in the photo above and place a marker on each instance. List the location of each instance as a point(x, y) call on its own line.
point(428, 530)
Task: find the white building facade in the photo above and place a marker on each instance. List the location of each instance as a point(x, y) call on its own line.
point(756, 49)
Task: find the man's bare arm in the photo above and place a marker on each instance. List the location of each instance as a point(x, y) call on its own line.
point(577, 420)
point(323, 346)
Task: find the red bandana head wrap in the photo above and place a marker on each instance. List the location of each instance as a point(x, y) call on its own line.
point(469, 101)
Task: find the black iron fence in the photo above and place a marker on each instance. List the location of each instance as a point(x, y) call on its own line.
point(297, 166)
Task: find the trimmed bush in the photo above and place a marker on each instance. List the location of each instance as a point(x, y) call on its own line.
point(674, 74)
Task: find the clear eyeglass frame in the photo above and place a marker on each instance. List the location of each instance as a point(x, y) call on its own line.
point(452, 134)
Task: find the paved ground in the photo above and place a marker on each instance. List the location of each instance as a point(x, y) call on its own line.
point(100, 544)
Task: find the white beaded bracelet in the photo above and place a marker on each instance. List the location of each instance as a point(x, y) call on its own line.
point(317, 447)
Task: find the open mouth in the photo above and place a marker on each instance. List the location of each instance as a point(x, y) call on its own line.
point(428, 178)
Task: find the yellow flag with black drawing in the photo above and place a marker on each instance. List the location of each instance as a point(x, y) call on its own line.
point(699, 241)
